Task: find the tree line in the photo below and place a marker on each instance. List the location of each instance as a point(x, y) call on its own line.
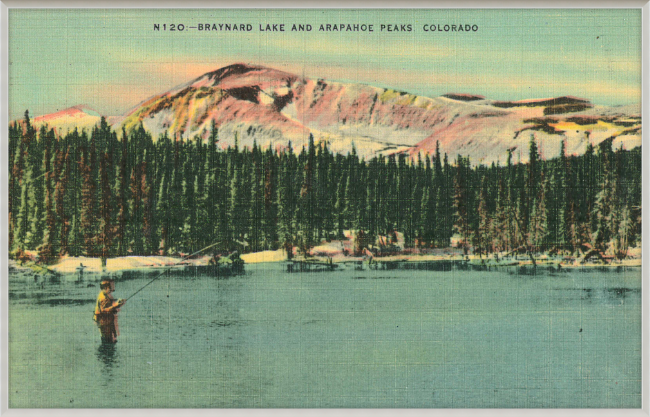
point(105, 194)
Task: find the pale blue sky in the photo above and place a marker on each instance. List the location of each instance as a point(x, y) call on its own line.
point(112, 59)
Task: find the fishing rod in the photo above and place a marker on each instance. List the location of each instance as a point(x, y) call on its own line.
point(167, 269)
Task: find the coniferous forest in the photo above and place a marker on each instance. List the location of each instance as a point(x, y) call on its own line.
point(107, 193)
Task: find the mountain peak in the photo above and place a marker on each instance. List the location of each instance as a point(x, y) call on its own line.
point(231, 70)
point(79, 116)
point(78, 111)
point(242, 75)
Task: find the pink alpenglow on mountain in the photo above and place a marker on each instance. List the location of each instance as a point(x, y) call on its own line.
point(251, 103)
point(81, 117)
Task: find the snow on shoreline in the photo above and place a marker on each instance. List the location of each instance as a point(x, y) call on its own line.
point(69, 265)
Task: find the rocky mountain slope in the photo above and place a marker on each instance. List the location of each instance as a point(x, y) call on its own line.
point(272, 107)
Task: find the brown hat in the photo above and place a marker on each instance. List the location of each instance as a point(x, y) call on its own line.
point(106, 282)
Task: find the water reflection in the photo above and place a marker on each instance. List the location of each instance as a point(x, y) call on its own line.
point(606, 296)
point(107, 355)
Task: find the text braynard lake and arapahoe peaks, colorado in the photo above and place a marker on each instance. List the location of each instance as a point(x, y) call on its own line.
point(324, 27)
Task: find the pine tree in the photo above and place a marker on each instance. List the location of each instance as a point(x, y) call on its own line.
point(135, 211)
point(221, 204)
point(285, 207)
point(482, 237)
point(269, 217)
point(328, 192)
point(461, 205)
point(539, 218)
point(174, 219)
point(17, 158)
point(237, 208)
point(405, 201)
point(149, 237)
point(162, 210)
point(121, 242)
point(499, 223)
point(306, 201)
point(38, 156)
point(447, 204)
point(255, 209)
point(60, 192)
point(623, 233)
point(370, 209)
point(22, 218)
point(602, 214)
point(340, 206)
point(565, 207)
point(585, 206)
point(440, 197)
point(529, 201)
point(48, 248)
point(425, 220)
point(511, 225)
point(87, 219)
point(205, 193)
point(104, 238)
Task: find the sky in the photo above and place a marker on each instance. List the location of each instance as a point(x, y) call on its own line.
point(113, 59)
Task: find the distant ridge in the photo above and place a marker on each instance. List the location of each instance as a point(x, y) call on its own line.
point(463, 97)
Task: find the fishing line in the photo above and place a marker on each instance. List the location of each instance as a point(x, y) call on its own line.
point(167, 269)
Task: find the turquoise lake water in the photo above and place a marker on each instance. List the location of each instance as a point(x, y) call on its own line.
point(398, 338)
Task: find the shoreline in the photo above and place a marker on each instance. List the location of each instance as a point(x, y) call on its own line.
point(71, 266)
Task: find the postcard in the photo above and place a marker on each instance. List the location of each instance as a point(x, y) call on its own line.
point(324, 208)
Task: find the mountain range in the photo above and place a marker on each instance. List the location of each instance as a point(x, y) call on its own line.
point(255, 103)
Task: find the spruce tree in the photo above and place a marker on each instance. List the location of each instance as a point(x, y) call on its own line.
point(602, 215)
point(104, 237)
point(499, 222)
point(22, 219)
point(40, 160)
point(461, 205)
point(255, 210)
point(48, 247)
point(306, 201)
point(135, 211)
point(17, 157)
point(529, 201)
point(623, 233)
point(121, 242)
point(87, 217)
point(539, 218)
point(150, 241)
point(175, 213)
point(60, 192)
point(340, 206)
point(425, 220)
point(285, 207)
point(237, 207)
point(270, 209)
point(483, 236)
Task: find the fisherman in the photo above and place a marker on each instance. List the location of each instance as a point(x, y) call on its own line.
point(106, 310)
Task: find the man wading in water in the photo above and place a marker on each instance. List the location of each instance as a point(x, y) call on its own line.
point(106, 310)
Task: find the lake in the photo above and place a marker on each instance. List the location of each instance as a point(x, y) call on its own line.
point(372, 338)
